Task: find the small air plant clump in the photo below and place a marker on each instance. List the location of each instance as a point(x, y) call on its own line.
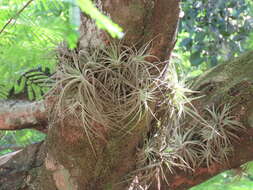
point(208, 141)
point(177, 150)
point(172, 145)
point(217, 134)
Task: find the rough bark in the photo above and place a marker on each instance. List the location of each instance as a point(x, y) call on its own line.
point(69, 161)
point(15, 115)
point(143, 22)
point(16, 168)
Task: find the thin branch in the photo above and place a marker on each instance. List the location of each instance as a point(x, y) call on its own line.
point(16, 15)
point(10, 146)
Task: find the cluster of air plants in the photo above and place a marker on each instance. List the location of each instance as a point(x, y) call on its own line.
point(218, 132)
point(171, 151)
point(110, 86)
point(114, 87)
point(171, 145)
point(200, 142)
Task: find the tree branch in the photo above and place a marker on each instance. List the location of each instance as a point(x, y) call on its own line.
point(184, 180)
point(163, 26)
point(16, 15)
point(153, 20)
point(10, 146)
point(16, 115)
point(228, 83)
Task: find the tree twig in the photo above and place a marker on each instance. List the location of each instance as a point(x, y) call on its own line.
point(11, 146)
point(16, 15)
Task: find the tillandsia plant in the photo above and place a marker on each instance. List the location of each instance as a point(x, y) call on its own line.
point(218, 133)
point(112, 88)
point(206, 140)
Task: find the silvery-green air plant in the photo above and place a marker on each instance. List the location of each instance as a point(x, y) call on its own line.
point(178, 145)
point(115, 85)
point(111, 86)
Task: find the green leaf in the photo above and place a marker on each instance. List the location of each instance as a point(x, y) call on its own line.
point(195, 59)
point(186, 43)
point(102, 21)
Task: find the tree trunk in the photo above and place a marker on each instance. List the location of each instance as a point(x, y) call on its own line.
point(68, 160)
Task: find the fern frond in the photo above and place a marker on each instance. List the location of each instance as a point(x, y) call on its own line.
point(32, 85)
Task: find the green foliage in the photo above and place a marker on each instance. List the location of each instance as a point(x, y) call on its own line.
point(13, 140)
point(27, 55)
point(28, 42)
point(102, 21)
point(30, 39)
point(32, 84)
point(214, 31)
point(237, 179)
point(250, 41)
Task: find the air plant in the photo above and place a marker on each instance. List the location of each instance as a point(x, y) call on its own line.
point(206, 141)
point(112, 86)
point(171, 146)
point(218, 132)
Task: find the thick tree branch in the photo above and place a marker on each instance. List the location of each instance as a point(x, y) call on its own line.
point(163, 27)
point(153, 20)
point(228, 83)
point(16, 115)
point(184, 180)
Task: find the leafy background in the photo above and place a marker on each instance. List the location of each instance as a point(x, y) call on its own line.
point(213, 31)
point(210, 32)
